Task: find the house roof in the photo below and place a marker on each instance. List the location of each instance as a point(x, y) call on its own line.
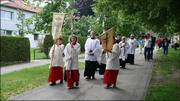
point(19, 4)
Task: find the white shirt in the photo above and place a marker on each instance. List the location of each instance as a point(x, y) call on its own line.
point(71, 56)
point(102, 56)
point(132, 46)
point(92, 44)
point(147, 43)
point(113, 58)
point(123, 50)
point(56, 55)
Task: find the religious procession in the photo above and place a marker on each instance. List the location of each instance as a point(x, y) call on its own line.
point(105, 53)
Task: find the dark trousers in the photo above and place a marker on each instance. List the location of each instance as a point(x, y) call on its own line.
point(165, 50)
point(130, 58)
point(147, 53)
point(175, 46)
point(122, 63)
point(151, 53)
point(90, 68)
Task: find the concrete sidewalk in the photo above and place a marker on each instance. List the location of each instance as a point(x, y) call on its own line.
point(33, 63)
point(131, 85)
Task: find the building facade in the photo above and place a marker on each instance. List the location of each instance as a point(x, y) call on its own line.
point(9, 13)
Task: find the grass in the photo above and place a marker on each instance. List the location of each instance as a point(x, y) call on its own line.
point(38, 54)
point(17, 82)
point(165, 81)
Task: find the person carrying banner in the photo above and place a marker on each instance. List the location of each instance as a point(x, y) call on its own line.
point(112, 67)
point(131, 51)
point(91, 55)
point(56, 65)
point(71, 52)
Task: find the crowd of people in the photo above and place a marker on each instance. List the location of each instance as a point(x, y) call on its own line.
point(108, 62)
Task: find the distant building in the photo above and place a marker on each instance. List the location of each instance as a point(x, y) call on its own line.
point(9, 13)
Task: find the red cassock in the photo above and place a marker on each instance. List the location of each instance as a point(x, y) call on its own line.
point(110, 77)
point(56, 73)
point(71, 77)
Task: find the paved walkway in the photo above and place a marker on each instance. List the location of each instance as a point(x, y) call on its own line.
point(131, 85)
point(33, 63)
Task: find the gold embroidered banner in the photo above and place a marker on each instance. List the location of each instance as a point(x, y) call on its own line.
point(57, 23)
point(107, 39)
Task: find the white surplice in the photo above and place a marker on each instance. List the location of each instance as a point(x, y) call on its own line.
point(55, 54)
point(132, 46)
point(92, 44)
point(102, 55)
point(71, 56)
point(113, 58)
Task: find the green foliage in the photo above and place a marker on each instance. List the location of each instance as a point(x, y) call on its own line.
point(165, 79)
point(43, 19)
point(14, 49)
point(48, 41)
point(155, 15)
point(24, 26)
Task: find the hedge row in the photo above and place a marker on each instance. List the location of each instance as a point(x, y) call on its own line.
point(14, 49)
point(48, 41)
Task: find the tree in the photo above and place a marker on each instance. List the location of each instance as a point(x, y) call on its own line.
point(156, 15)
point(25, 24)
point(43, 19)
point(83, 7)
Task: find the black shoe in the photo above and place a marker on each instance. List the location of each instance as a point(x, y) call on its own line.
point(108, 86)
point(61, 81)
point(77, 84)
point(93, 77)
point(123, 67)
point(114, 86)
point(53, 83)
point(70, 88)
point(88, 78)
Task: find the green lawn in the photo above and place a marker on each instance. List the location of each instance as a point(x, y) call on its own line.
point(165, 81)
point(38, 54)
point(17, 82)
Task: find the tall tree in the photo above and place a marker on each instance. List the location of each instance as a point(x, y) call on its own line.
point(84, 7)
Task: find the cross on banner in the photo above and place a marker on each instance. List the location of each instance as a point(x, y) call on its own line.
point(107, 39)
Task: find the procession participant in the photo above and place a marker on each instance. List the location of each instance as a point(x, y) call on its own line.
point(102, 60)
point(131, 51)
point(71, 52)
point(165, 45)
point(140, 42)
point(147, 47)
point(123, 52)
point(56, 65)
point(91, 55)
point(153, 41)
point(112, 67)
point(118, 38)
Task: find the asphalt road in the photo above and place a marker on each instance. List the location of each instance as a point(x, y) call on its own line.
point(132, 83)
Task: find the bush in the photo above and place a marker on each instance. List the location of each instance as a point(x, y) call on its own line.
point(48, 42)
point(14, 49)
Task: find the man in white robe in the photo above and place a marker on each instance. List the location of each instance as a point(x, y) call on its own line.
point(131, 51)
point(91, 55)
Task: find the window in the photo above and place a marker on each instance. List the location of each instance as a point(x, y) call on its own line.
point(6, 15)
point(6, 32)
point(35, 36)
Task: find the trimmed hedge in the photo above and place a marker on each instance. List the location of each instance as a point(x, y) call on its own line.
point(14, 49)
point(48, 41)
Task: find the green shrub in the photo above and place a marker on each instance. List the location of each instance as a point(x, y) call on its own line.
point(48, 41)
point(14, 49)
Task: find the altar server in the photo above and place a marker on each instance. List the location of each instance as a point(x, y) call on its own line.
point(91, 55)
point(56, 65)
point(131, 51)
point(112, 67)
point(71, 52)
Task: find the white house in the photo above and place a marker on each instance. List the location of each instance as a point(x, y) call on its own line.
point(9, 13)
